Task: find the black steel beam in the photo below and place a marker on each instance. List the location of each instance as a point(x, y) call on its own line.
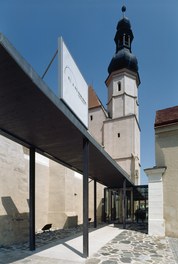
point(124, 204)
point(85, 197)
point(132, 205)
point(95, 203)
point(32, 198)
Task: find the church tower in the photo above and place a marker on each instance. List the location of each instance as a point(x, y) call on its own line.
point(122, 130)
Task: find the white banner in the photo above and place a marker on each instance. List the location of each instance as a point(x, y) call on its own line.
point(73, 89)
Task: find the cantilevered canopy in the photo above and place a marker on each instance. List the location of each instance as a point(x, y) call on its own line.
point(33, 116)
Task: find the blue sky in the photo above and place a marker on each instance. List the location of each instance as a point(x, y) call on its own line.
point(88, 28)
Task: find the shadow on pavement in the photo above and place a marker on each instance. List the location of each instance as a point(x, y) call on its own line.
point(141, 227)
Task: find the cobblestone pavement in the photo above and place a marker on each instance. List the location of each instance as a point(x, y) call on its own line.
point(136, 247)
point(174, 246)
point(130, 246)
point(20, 253)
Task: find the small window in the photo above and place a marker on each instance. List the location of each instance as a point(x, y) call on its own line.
point(91, 117)
point(119, 86)
point(118, 134)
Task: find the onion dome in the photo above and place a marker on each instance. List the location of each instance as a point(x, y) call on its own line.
point(123, 57)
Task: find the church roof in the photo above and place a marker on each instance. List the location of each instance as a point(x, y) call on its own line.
point(166, 116)
point(93, 98)
point(123, 57)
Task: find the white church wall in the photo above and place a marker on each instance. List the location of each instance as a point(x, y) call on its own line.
point(118, 137)
point(130, 86)
point(118, 106)
point(95, 124)
point(115, 97)
point(130, 105)
point(122, 142)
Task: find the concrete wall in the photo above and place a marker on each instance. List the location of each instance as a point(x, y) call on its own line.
point(14, 190)
point(166, 147)
point(41, 190)
point(14, 207)
point(59, 194)
point(56, 207)
point(73, 198)
point(100, 204)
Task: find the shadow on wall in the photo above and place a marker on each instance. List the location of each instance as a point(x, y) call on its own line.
point(71, 221)
point(14, 227)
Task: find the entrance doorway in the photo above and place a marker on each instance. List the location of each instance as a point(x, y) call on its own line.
point(119, 208)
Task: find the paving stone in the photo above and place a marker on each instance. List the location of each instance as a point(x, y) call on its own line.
point(105, 253)
point(92, 261)
point(125, 242)
point(126, 260)
point(109, 262)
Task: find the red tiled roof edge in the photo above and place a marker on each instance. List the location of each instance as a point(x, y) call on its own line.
point(166, 116)
point(93, 98)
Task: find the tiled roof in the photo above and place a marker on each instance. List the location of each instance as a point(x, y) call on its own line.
point(166, 116)
point(93, 99)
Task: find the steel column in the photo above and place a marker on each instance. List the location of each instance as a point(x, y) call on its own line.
point(95, 204)
point(105, 205)
point(139, 204)
point(145, 204)
point(85, 196)
point(124, 204)
point(132, 205)
point(32, 198)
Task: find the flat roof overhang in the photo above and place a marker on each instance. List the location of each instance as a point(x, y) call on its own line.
point(32, 115)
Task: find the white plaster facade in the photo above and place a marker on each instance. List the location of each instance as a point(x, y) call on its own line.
point(156, 222)
point(166, 140)
point(163, 187)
